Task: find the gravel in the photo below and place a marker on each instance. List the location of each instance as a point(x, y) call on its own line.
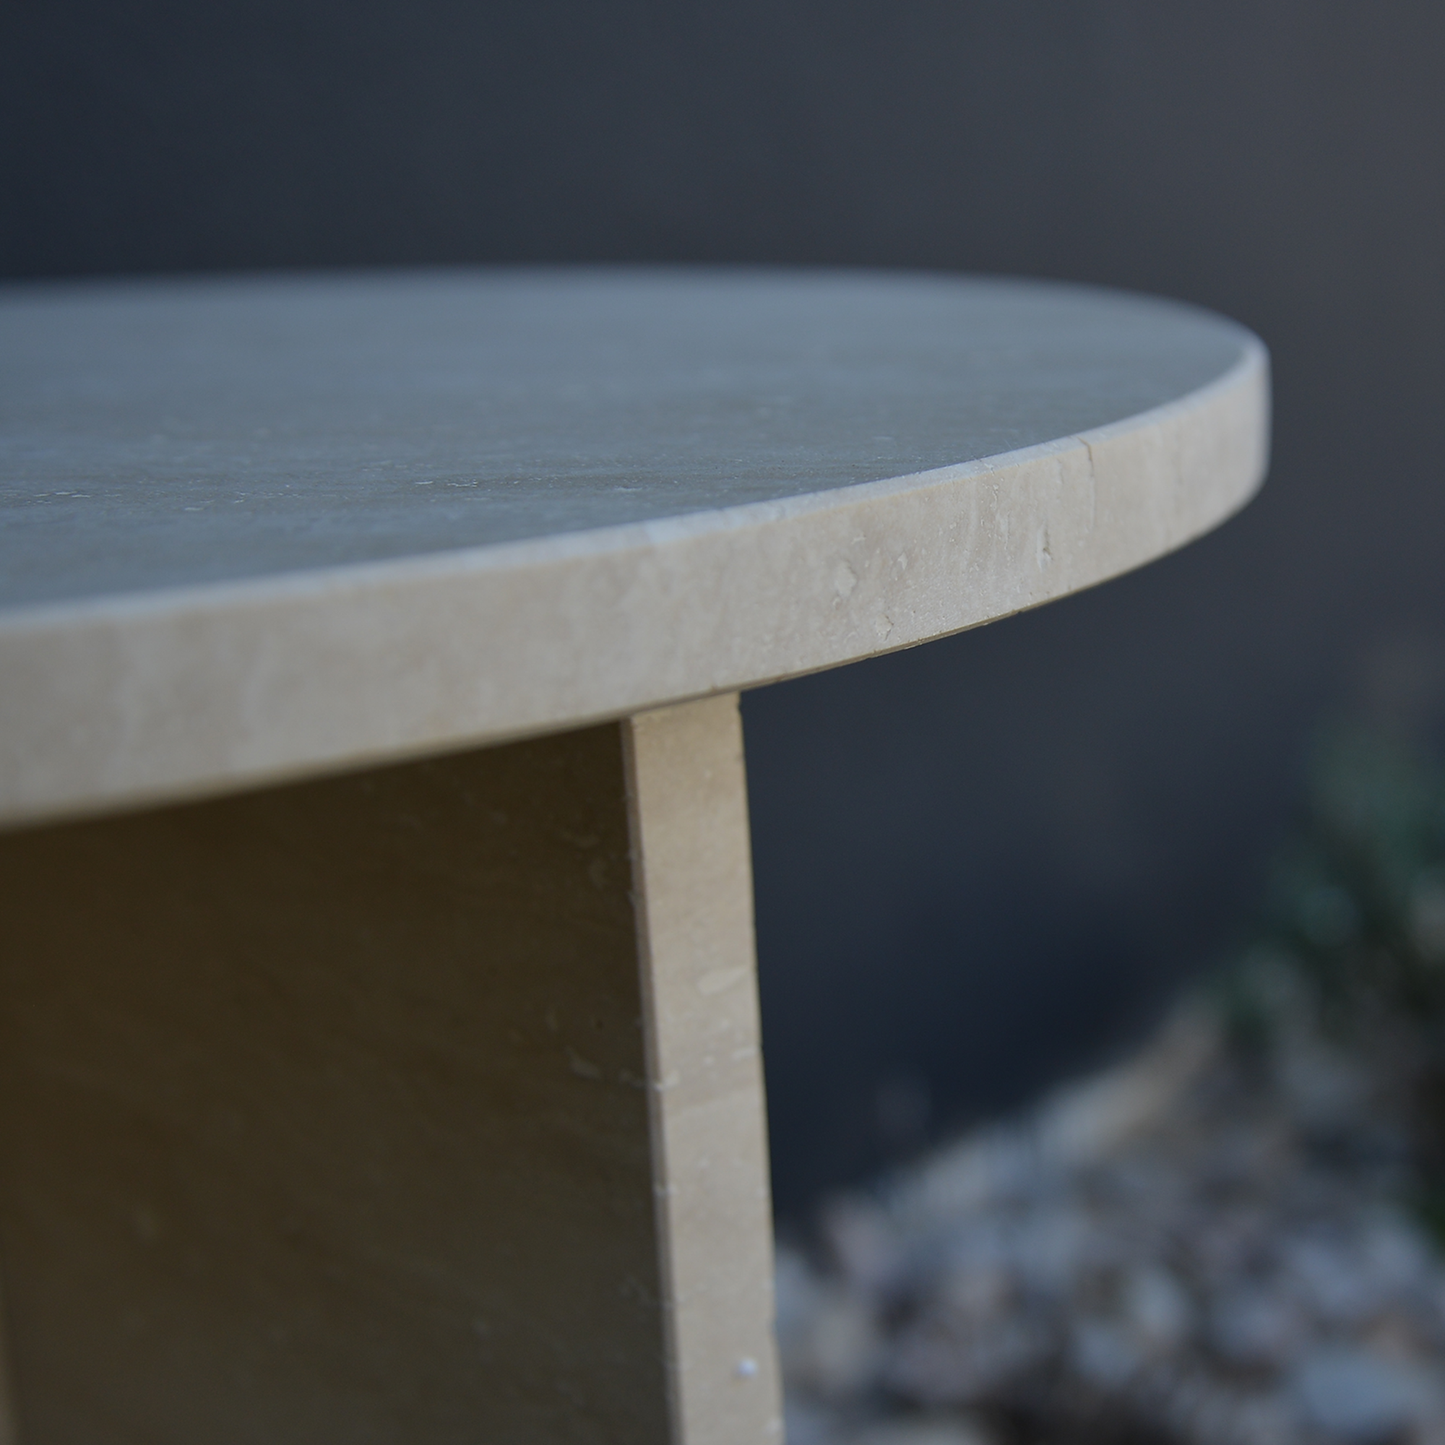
point(1200, 1247)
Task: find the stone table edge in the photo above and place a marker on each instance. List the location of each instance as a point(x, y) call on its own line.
point(193, 691)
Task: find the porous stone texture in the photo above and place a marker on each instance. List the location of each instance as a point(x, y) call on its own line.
point(259, 530)
point(1197, 1248)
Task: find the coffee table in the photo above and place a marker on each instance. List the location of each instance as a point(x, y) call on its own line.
point(378, 1037)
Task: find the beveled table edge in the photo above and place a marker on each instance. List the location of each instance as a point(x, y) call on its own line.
point(189, 692)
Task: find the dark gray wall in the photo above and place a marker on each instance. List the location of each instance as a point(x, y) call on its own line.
point(984, 861)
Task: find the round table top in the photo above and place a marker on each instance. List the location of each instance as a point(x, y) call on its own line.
point(257, 528)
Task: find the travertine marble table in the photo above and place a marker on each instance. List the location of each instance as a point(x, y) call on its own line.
point(378, 1037)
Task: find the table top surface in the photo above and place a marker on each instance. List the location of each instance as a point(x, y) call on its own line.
point(161, 435)
point(198, 453)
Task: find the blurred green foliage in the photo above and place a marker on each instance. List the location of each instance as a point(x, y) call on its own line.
point(1358, 899)
point(1354, 924)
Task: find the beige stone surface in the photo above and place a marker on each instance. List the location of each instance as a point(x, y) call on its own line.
point(323, 1114)
point(771, 538)
point(685, 769)
point(419, 1105)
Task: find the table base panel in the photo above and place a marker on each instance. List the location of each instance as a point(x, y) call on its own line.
point(337, 1112)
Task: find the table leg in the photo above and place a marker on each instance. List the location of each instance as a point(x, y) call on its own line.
point(421, 1105)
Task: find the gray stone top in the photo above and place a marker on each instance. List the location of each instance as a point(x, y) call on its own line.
point(158, 434)
point(255, 529)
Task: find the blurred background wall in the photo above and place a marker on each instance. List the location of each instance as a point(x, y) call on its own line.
point(988, 861)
